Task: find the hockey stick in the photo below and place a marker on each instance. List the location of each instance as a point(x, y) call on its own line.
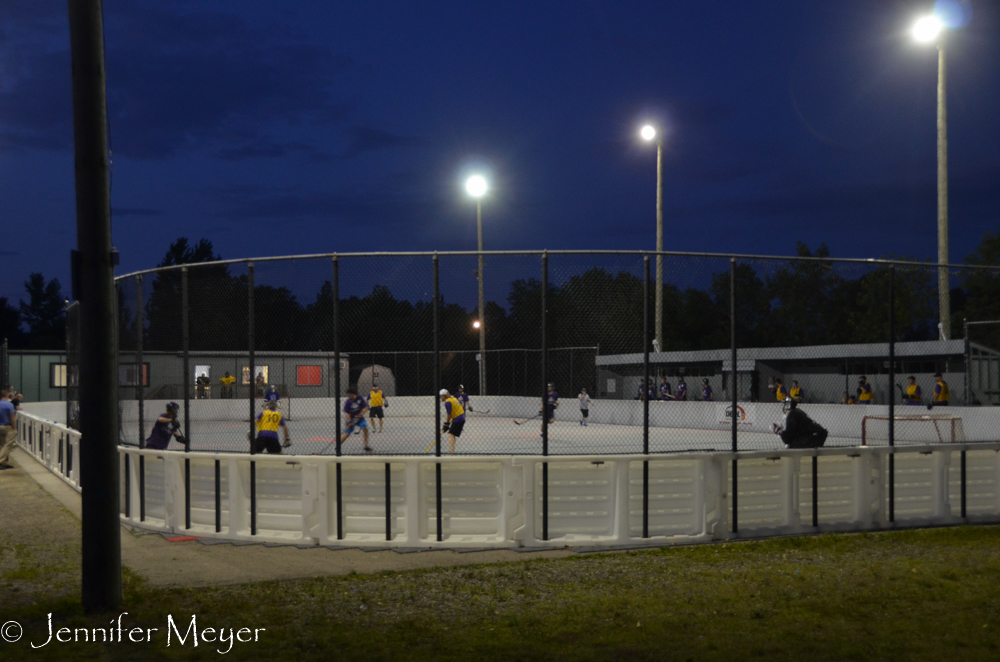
point(516, 422)
point(480, 412)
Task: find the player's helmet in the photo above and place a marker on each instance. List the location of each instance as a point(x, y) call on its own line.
point(551, 385)
point(173, 406)
point(271, 404)
point(704, 381)
point(443, 392)
point(461, 388)
point(788, 405)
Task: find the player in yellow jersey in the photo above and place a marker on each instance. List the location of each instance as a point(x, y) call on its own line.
point(795, 393)
point(375, 403)
point(865, 395)
point(941, 395)
point(454, 417)
point(227, 386)
point(268, 422)
point(913, 395)
point(779, 390)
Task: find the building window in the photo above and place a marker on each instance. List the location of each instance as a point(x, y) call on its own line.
point(309, 375)
point(57, 375)
point(260, 374)
point(128, 374)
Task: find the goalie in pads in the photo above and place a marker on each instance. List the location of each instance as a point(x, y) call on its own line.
point(799, 431)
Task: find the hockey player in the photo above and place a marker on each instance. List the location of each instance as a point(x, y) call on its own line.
point(799, 431)
point(462, 398)
point(166, 427)
point(355, 407)
point(454, 417)
point(268, 422)
point(913, 394)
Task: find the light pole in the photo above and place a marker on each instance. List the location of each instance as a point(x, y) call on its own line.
point(648, 133)
point(476, 187)
point(929, 29)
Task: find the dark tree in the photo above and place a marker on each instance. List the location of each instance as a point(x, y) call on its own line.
point(10, 324)
point(44, 313)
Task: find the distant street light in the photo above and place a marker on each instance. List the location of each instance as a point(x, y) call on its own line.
point(476, 187)
point(475, 325)
point(649, 133)
point(929, 29)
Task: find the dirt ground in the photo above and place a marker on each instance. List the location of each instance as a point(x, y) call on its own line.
point(40, 547)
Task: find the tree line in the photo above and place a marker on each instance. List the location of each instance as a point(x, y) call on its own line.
point(797, 302)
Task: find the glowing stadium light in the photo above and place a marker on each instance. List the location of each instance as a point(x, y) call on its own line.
point(927, 29)
point(476, 186)
point(475, 325)
point(648, 132)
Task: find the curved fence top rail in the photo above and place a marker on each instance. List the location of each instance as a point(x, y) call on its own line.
point(731, 256)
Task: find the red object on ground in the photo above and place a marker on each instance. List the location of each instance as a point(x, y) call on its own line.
point(182, 538)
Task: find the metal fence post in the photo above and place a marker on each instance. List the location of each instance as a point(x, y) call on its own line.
point(892, 398)
point(733, 372)
point(250, 342)
point(141, 388)
point(437, 405)
point(336, 388)
point(732, 358)
point(545, 396)
point(645, 387)
point(185, 342)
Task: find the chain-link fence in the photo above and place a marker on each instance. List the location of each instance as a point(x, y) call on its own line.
point(572, 354)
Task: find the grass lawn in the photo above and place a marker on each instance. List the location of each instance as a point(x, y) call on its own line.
point(907, 595)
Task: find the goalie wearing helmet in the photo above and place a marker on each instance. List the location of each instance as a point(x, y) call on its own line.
point(166, 427)
point(799, 431)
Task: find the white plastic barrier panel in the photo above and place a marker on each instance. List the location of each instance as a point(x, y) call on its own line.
point(534, 501)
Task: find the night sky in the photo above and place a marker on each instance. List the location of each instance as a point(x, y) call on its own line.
point(275, 127)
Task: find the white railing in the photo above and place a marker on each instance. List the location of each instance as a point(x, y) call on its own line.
point(535, 501)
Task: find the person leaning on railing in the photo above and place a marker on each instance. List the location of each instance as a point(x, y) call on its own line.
point(8, 429)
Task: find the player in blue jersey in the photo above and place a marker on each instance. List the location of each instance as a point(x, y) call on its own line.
point(355, 407)
point(682, 389)
point(665, 393)
point(706, 391)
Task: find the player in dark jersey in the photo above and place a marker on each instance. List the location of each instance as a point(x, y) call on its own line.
point(551, 403)
point(706, 391)
point(167, 427)
point(682, 389)
point(463, 398)
point(355, 407)
point(665, 393)
point(799, 431)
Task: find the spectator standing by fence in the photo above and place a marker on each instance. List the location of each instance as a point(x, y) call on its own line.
point(8, 429)
point(227, 386)
point(941, 395)
point(865, 395)
point(913, 394)
point(795, 393)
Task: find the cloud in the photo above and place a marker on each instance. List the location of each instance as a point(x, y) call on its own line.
point(367, 139)
point(134, 211)
point(177, 79)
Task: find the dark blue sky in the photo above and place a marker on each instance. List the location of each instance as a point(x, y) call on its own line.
point(280, 128)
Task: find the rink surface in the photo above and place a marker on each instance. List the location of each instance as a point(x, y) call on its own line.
point(483, 435)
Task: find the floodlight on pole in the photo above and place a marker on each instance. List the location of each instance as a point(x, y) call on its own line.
point(476, 186)
point(927, 29)
point(649, 133)
point(476, 325)
point(930, 29)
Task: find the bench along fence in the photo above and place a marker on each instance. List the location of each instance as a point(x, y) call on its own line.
point(538, 501)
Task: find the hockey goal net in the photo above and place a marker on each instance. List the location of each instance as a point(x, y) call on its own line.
point(913, 429)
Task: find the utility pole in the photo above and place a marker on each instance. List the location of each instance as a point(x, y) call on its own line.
point(94, 274)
